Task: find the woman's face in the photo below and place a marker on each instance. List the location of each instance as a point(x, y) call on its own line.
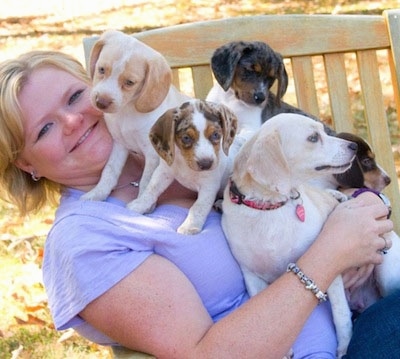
point(66, 139)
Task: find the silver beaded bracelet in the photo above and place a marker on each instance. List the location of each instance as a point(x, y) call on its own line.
point(309, 283)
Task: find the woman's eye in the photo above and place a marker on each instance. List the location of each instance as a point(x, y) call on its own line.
point(43, 131)
point(75, 96)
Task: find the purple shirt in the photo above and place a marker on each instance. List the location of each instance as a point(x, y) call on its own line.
point(93, 245)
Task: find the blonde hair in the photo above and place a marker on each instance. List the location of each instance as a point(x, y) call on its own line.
point(17, 186)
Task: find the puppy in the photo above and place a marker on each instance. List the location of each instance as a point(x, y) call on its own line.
point(193, 141)
point(282, 213)
point(245, 73)
point(364, 172)
point(132, 86)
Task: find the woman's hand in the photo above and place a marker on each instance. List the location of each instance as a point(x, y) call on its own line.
point(353, 234)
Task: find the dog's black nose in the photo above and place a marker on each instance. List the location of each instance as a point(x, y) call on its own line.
point(259, 97)
point(205, 164)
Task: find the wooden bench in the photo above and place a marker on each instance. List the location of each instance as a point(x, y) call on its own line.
point(321, 52)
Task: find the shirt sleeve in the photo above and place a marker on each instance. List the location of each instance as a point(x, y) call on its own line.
point(84, 257)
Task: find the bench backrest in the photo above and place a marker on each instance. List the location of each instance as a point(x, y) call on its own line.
point(344, 69)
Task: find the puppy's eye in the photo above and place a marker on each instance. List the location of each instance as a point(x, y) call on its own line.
point(367, 162)
point(101, 70)
point(215, 137)
point(314, 137)
point(129, 83)
point(186, 140)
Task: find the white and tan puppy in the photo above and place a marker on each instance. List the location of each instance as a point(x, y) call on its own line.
point(132, 86)
point(271, 215)
point(193, 141)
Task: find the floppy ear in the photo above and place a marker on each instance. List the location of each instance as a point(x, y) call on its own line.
point(94, 55)
point(267, 163)
point(224, 62)
point(156, 85)
point(229, 126)
point(282, 78)
point(162, 135)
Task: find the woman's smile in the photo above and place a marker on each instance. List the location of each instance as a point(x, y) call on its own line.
point(84, 137)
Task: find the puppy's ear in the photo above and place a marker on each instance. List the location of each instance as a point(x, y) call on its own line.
point(156, 85)
point(282, 78)
point(94, 55)
point(267, 163)
point(224, 62)
point(229, 127)
point(162, 136)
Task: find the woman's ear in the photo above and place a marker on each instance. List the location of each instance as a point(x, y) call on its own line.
point(23, 165)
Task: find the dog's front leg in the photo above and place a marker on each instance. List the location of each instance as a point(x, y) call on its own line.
point(341, 315)
point(152, 160)
point(159, 182)
point(110, 175)
point(199, 211)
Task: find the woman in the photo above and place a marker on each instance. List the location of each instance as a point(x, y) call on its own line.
point(120, 278)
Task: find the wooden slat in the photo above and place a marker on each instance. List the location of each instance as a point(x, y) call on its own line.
point(393, 22)
point(202, 80)
point(338, 92)
point(303, 75)
point(175, 78)
point(291, 35)
point(377, 124)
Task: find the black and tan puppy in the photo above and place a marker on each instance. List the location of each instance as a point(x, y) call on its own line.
point(245, 73)
point(364, 172)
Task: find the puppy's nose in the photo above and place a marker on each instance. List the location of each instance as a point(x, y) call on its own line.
point(102, 102)
point(387, 180)
point(259, 97)
point(205, 164)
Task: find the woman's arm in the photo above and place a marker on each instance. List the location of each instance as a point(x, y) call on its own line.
point(156, 310)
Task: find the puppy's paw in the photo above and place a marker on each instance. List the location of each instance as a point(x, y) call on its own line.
point(188, 229)
point(139, 206)
point(96, 194)
point(339, 196)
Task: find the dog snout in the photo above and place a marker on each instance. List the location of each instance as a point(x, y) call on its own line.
point(205, 164)
point(103, 102)
point(259, 97)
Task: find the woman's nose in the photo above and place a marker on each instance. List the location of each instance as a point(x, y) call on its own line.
point(71, 121)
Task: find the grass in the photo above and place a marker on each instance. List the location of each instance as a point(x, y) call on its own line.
point(26, 329)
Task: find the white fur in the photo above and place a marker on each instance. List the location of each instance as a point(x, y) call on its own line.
point(249, 116)
point(283, 156)
point(208, 183)
point(131, 112)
